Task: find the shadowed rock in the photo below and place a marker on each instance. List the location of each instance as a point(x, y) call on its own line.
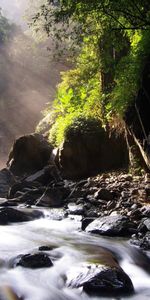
point(33, 261)
point(29, 154)
point(10, 215)
point(6, 181)
point(98, 280)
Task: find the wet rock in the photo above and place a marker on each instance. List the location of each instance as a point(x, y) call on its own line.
point(46, 248)
point(147, 223)
point(22, 186)
point(147, 190)
point(145, 242)
point(10, 215)
point(30, 197)
point(53, 197)
point(75, 209)
point(29, 154)
point(136, 214)
point(114, 225)
point(12, 202)
point(46, 175)
point(6, 181)
point(86, 221)
point(141, 240)
point(111, 205)
point(103, 194)
point(98, 280)
point(140, 258)
point(91, 213)
point(33, 261)
point(145, 211)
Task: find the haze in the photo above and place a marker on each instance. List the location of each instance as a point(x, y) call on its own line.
point(28, 79)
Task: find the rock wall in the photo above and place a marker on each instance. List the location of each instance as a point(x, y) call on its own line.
point(88, 154)
point(137, 118)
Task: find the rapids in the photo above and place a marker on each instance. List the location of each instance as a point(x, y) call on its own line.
point(70, 246)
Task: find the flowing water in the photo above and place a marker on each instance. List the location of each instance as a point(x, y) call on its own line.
point(71, 246)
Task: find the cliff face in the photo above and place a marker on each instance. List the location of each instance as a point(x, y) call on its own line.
point(138, 117)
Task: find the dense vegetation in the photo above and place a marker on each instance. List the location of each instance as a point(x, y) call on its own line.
point(110, 43)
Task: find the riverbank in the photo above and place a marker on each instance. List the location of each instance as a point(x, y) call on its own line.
point(89, 216)
point(49, 223)
point(110, 204)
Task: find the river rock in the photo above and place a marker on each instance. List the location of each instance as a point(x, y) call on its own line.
point(29, 154)
point(10, 215)
point(98, 280)
point(146, 222)
point(114, 225)
point(33, 261)
point(45, 176)
point(22, 186)
point(75, 209)
point(53, 197)
point(86, 221)
point(30, 197)
point(11, 202)
point(141, 240)
point(6, 181)
point(103, 194)
point(145, 211)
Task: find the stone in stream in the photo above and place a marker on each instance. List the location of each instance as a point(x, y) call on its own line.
point(99, 280)
point(75, 209)
point(113, 225)
point(86, 221)
point(146, 222)
point(46, 248)
point(33, 261)
point(10, 215)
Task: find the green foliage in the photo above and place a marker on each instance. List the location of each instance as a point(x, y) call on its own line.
point(72, 124)
point(112, 39)
point(83, 125)
point(128, 72)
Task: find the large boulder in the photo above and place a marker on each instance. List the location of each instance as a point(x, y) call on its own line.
point(89, 150)
point(101, 280)
point(29, 154)
point(10, 215)
point(115, 225)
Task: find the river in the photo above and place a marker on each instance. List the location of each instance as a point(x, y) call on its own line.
point(71, 246)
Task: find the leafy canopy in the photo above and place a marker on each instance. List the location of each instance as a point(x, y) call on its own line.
point(111, 41)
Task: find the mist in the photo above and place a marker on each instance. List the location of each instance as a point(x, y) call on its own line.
point(15, 10)
point(28, 80)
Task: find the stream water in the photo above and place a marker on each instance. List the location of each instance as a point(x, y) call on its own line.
point(72, 247)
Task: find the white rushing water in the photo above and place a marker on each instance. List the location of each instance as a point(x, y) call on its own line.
point(72, 247)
